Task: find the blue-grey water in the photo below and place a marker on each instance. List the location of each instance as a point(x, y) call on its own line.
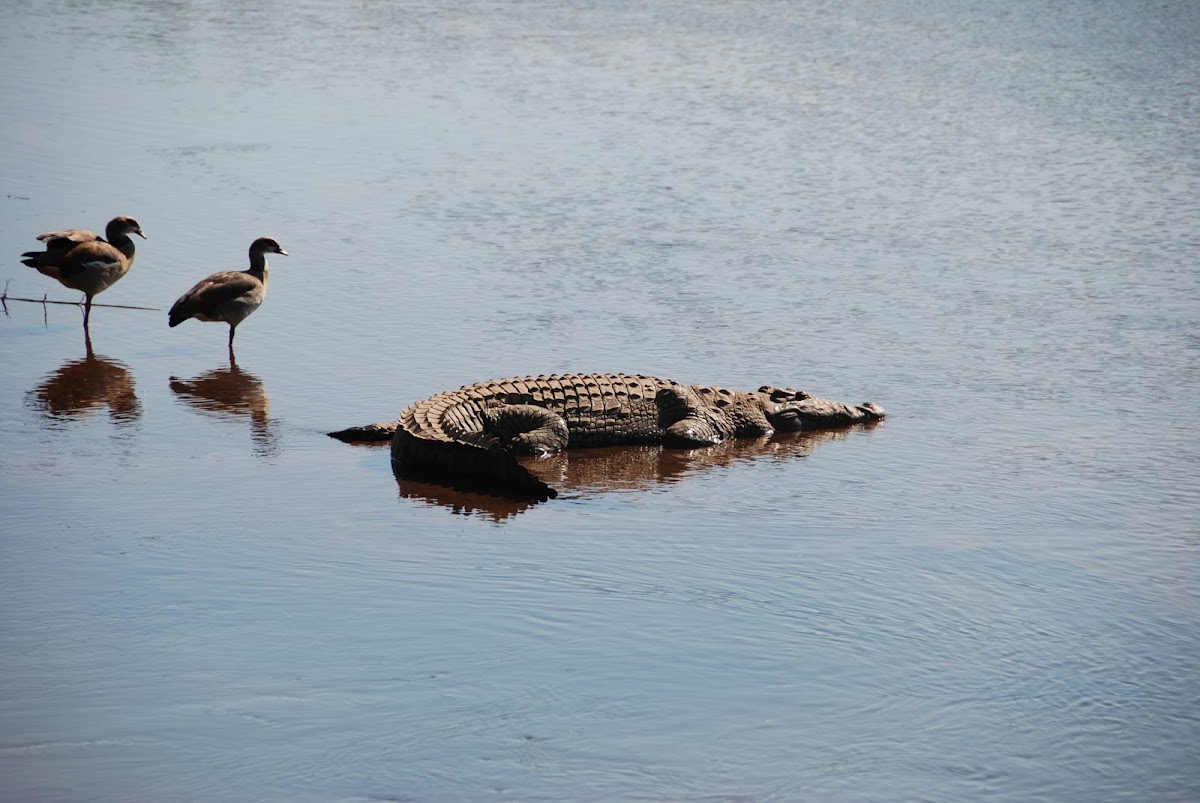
point(981, 215)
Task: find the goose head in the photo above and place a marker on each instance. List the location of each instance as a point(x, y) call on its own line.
point(267, 245)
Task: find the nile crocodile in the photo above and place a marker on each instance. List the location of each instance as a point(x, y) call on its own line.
point(474, 434)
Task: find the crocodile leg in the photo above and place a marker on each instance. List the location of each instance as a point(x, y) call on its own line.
point(525, 429)
point(686, 421)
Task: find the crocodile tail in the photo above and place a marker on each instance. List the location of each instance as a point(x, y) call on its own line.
point(382, 431)
point(467, 466)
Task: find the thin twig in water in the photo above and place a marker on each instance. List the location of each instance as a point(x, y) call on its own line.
point(46, 300)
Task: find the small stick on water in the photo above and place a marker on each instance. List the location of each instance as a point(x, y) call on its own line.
point(5, 298)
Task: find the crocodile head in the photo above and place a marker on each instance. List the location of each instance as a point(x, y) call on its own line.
point(791, 410)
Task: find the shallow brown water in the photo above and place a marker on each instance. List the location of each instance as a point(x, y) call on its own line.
point(982, 216)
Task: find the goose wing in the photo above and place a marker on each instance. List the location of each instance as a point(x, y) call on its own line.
point(93, 255)
point(212, 293)
point(68, 238)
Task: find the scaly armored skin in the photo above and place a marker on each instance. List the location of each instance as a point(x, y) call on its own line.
point(476, 432)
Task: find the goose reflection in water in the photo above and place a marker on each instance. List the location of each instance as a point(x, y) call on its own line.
point(232, 393)
point(82, 387)
point(590, 472)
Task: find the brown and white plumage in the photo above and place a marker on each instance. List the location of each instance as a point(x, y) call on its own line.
point(83, 260)
point(229, 296)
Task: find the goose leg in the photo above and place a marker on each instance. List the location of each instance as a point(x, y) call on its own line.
point(87, 311)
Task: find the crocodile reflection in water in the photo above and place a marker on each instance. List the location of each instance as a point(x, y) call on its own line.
point(232, 393)
point(81, 387)
point(589, 472)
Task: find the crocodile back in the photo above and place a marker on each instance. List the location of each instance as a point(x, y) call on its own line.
point(598, 408)
point(445, 434)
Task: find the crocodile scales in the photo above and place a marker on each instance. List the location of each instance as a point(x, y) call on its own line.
point(475, 433)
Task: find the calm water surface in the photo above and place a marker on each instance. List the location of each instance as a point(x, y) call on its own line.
point(983, 216)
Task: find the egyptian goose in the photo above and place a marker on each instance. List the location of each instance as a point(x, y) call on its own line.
point(84, 261)
point(230, 295)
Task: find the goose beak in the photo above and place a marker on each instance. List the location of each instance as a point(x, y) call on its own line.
point(281, 251)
